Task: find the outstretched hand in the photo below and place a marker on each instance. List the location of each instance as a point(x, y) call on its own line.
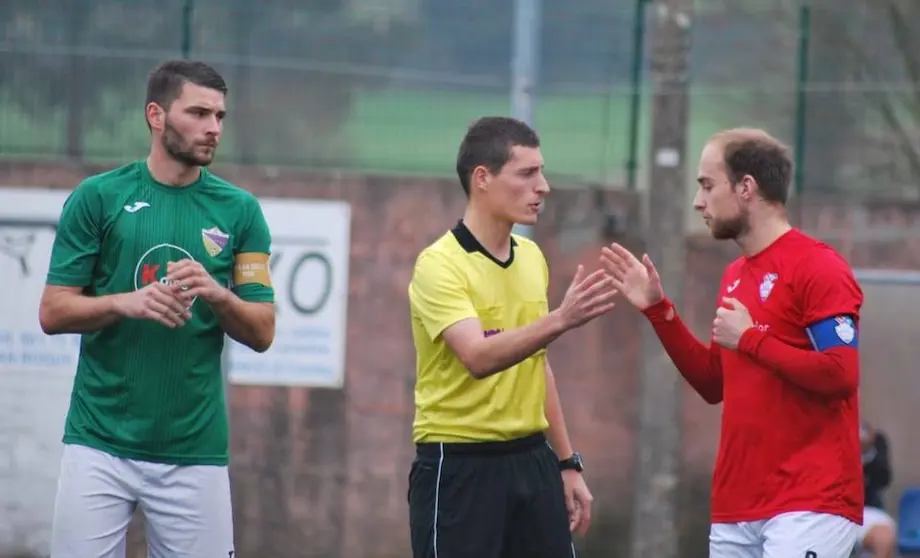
point(638, 281)
point(587, 297)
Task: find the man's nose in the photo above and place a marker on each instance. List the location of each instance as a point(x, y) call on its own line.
point(214, 126)
point(698, 201)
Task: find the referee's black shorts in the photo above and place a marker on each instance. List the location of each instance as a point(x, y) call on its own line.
point(488, 500)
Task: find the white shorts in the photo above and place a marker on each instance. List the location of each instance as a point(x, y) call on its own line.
point(788, 535)
point(873, 517)
point(187, 508)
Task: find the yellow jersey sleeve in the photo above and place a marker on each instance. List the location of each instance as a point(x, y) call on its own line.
point(438, 294)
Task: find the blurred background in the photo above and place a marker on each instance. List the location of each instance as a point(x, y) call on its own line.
point(364, 102)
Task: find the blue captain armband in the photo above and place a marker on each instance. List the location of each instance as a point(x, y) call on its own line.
point(837, 331)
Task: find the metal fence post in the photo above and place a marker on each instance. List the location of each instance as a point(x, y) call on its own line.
point(802, 96)
point(187, 11)
point(525, 63)
point(638, 57)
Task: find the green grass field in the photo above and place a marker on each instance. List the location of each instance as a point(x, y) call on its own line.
point(585, 137)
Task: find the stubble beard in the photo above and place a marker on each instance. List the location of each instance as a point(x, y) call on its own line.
point(182, 150)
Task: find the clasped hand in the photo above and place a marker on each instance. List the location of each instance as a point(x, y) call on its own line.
point(169, 301)
point(731, 323)
point(194, 281)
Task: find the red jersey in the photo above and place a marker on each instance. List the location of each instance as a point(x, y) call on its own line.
point(790, 419)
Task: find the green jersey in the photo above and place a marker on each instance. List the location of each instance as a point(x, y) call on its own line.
point(144, 391)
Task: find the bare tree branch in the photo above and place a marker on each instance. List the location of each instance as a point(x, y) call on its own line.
point(901, 34)
point(872, 59)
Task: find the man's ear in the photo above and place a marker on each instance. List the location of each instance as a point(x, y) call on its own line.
point(748, 187)
point(156, 116)
point(480, 178)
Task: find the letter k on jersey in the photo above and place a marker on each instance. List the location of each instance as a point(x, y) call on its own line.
point(151, 267)
point(149, 274)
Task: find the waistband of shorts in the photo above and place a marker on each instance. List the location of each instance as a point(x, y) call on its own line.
point(517, 445)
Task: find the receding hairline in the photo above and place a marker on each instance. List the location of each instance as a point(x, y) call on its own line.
point(734, 136)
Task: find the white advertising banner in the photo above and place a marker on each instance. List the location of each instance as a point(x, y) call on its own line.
point(311, 243)
point(36, 370)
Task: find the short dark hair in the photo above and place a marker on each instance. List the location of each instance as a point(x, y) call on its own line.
point(754, 152)
point(164, 85)
point(488, 143)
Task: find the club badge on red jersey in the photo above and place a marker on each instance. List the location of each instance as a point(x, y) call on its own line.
point(766, 286)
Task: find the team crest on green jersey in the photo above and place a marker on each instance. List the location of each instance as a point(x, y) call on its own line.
point(215, 240)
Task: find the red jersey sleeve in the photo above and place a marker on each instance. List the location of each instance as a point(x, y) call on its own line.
point(700, 365)
point(828, 299)
point(828, 289)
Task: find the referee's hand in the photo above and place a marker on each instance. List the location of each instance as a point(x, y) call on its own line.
point(587, 298)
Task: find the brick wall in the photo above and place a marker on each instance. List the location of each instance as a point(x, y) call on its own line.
point(322, 473)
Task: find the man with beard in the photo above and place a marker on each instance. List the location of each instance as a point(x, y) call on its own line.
point(783, 359)
point(152, 264)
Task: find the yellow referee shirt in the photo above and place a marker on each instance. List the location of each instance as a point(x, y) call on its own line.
point(454, 279)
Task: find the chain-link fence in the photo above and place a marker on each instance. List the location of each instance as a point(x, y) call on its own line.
point(389, 86)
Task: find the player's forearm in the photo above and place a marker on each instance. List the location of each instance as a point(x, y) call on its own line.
point(831, 373)
point(77, 313)
point(557, 432)
point(494, 354)
point(249, 323)
point(695, 361)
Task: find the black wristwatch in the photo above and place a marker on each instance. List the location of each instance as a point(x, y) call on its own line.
point(575, 463)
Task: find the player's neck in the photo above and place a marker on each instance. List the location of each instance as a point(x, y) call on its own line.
point(166, 170)
point(493, 234)
point(763, 233)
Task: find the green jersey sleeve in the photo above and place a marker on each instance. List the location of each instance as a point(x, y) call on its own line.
point(251, 273)
point(77, 241)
